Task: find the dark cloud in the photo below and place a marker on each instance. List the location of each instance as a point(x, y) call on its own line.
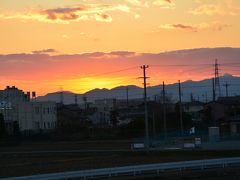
point(183, 27)
point(98, 12)
point(169, 1)
point(122, 53)
point(65, 10)
point(44, 51)
point(215, 26)
point(38, 65)
point(63, 13)
point(103, 17)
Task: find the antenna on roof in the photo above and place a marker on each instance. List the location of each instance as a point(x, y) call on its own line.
point(61, 95)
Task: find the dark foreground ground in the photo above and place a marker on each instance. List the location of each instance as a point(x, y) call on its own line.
point(220, 174)
point(217, 174)
point(38, 158)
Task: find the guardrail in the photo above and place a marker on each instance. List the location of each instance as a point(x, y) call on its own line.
point(138, 169)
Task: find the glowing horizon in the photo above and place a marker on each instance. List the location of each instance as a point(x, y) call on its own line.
point(81, 73)
point(49, 44)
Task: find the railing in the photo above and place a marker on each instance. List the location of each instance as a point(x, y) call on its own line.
point(138, 169)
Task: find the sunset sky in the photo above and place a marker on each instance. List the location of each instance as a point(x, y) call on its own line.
point(82, 44)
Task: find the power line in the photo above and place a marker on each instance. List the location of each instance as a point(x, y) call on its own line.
point(113, 72)
point(190, 65)
point(199, 68)
point(177, 65)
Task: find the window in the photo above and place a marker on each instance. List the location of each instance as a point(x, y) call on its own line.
point(37, 110)
point(37, 125)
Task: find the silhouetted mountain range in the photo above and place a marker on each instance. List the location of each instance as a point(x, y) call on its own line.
point(200, 90)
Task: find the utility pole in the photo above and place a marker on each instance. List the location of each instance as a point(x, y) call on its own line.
point(180, 105)
point(127, 102)
point(154, 125)
point(144, 67)
point(75, 99)
point(213, 90)
point(191, 97)
point(164, 112)
point(206, 97)
point(85, 102)
point(226, 86)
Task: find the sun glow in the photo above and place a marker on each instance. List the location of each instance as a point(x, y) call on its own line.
point(43, 42)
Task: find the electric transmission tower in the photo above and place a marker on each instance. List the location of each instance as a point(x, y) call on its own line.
point(217, 86)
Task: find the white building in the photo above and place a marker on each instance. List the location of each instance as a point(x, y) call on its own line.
point(37, 115)
point(31, 115)
point(103, 113)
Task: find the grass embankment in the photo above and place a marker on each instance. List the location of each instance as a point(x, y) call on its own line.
point(14, 164)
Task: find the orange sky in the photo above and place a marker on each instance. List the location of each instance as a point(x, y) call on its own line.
point(52, 43)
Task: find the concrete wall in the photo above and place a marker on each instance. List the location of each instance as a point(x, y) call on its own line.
point(37, 115)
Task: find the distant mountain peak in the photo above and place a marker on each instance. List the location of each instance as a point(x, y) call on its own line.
point(200, 90)
point(97, 90)
point(65, 92)
point(228, 75)
point(124, 87)
point(188, 81)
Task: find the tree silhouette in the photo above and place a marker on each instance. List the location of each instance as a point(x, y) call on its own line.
point(2, 127)
point(16, 129)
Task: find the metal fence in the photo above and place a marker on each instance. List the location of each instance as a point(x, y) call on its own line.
point(138, 169)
